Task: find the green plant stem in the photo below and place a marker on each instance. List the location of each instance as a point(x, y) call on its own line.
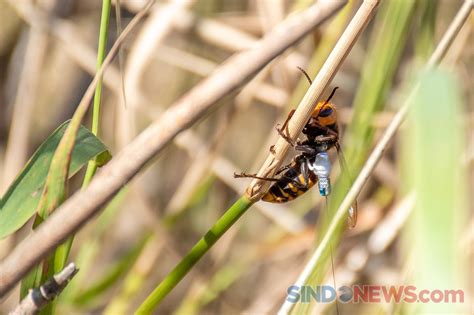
point(104, 26)
point(194, 255)
point(62, 252)
point(59, 258)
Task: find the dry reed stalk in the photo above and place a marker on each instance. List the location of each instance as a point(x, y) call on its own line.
point(84, 55)
point(382, 145)
point(70, 38)
point(265, 92)
point(258, 187)
point(83, 205)
point(147, 43)
point(378, 151)
point(229, 38)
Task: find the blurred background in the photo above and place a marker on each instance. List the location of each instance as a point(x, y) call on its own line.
point(156, 219)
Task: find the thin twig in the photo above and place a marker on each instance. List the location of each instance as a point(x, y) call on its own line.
point(39, 297)
point(68, 34)
point(376, 155)
point(451, 32)
point(83, 205)
point(258, 187)
point(70, 37)
point(148, 43)
point(263, 91)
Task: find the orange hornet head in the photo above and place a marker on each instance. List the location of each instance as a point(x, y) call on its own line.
point(325, 114)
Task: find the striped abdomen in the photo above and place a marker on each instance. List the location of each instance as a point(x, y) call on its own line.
point(291, 185)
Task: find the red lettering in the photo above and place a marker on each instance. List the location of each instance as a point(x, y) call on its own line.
point(409, 294)
point(422, 296)
point(374, 293)
point(450, 296)
point(361, 294)
point(436, 296)
point(391, 293)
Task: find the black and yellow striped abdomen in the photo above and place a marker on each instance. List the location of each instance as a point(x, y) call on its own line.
point(291, 185)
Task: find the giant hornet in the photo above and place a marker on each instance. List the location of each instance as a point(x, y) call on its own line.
point(312, 165)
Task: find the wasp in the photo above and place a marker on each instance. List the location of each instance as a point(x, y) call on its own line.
point(312, 164)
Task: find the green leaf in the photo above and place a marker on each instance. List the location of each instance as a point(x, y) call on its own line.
point(435, 170)
point(378, 73)
point(21, 199)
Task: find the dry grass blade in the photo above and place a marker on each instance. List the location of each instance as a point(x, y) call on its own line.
point(69, 35)
point(81, 207)
point(377, 153)
point(306, 106)
point(379, 149)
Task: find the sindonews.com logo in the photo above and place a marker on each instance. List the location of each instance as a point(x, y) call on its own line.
point(372, 294)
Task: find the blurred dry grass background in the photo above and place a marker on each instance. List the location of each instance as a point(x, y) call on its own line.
point(156, 219)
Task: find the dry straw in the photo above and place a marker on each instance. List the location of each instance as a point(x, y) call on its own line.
point(307, 104)
point(83, 205)
point(376, 155)
point(84, 55)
